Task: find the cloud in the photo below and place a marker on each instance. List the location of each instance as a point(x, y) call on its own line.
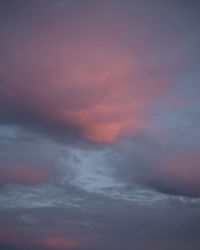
point(180, 176)
point(27, 159)
point(20, 174)
point(167, 162)
point(20, 241)
point(105, 224)
point(60, 243)
point(77, 78)
point(99, 125)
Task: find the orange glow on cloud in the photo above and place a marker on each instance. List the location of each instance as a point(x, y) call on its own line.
point(186, 169)
point(182, 174)
point(18, 238)
point(103, 132)
point(93, 82)
point(110, 97)
point(60, 243)
point(21, 174)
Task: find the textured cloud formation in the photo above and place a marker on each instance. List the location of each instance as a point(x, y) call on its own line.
point(27, 159)
point(83, 75)
point(99, 125)
point(166, 160)
point(109, 224)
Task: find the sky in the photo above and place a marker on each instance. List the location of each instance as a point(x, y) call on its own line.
point(99, 125)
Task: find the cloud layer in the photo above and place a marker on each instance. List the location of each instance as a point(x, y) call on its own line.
point(99, 125)
point(82, 75)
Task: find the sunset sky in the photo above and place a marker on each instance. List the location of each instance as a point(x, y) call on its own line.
point(99, 125)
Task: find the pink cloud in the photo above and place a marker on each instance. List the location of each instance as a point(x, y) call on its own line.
point(23, 174)
point(14, 237)
point(60, 243)
point(179, 175)
point(86, 75)
point(102, 92)
point(186, 168)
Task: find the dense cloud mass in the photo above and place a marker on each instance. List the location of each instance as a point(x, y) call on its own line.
point(99, 125)
point(86, 72)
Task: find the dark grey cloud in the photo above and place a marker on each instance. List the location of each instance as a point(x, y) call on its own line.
point(112, 223)
point(27, 159)
point(165, 159)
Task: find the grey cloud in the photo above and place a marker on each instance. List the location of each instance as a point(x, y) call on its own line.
point(169, 165)
point(115, 224)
